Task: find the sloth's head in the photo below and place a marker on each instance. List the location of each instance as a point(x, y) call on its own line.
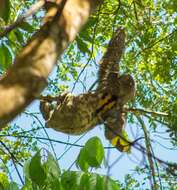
point(127, 87)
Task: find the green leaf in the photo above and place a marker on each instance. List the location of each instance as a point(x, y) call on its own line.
point(54, 183)
point(88, 181)
point(36, 171)
point(100, 183)
point(2, 58)
point(1, 186)
point(85, 36)
point(5, 56)
point(94, 151)
point(51, 166)
point(105, 183)
point(82, 45)
point(19, 35)
point(71, 180)
point(3, 180)
point(5, 10)
point(82, 161)
point(91, 155)
point(8, 56)
point(12, 186)
point(28, 186)
point(27, 27)
point(26, 170)
point(112, 185)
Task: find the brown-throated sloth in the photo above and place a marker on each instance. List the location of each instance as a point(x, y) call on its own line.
point(78, 114)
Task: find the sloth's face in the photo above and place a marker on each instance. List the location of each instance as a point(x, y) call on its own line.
point(127, 87)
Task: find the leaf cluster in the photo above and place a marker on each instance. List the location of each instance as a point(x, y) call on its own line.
point(43, 172)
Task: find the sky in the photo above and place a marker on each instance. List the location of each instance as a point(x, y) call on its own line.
point(122, 163)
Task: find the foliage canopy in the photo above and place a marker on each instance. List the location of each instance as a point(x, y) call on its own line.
point(150, 57)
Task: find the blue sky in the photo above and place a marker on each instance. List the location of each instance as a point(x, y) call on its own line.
point(125, 165)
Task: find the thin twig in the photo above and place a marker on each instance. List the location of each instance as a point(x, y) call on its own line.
point(71, 145)
point(13, 158)
point(33, 115)
point(117, 160)
point(157, 167)
point(136, 146)
point(53, 140)
point(140, 148)
point(142, 111)
point(92, 48)
point(150, 159)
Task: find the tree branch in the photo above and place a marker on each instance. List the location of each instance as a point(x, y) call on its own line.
point(149, 153)
point(30, 12)
point(27, 77)
point(143, 111)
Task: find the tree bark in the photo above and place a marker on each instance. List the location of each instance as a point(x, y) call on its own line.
point(26, 79)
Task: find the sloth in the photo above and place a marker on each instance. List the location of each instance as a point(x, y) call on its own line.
point(75, 115)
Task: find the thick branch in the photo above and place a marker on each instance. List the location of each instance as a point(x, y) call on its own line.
point(27, 77)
